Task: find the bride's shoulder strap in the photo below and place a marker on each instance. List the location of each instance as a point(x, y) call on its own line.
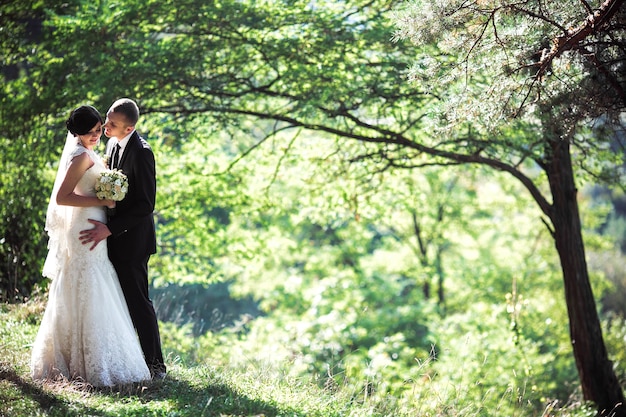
point(78, 150)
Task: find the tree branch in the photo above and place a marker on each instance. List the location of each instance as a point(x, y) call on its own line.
point(571, 39)
point(383, 136)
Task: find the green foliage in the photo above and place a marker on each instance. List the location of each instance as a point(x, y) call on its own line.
point(344, 299)
point(510, 86)
point(343, 293)
point(496, 71)
point(277, 129)
point(31, 138)
point(196, 200)
point(485, 362)
point(24, 193)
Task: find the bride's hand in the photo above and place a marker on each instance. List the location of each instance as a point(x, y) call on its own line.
point(109, 203)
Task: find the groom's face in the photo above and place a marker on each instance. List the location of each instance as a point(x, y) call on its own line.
point(116, 125)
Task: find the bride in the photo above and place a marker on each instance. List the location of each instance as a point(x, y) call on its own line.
point(86, 332)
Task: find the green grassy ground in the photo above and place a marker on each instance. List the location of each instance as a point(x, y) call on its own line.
point(206, 390)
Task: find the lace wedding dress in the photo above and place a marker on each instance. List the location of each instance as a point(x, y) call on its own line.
point(86, 332)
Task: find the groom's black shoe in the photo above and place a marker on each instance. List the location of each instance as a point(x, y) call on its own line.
point(157, 372)
point(159, 375)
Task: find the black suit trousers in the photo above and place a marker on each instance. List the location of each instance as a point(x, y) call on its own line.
point(133, 276)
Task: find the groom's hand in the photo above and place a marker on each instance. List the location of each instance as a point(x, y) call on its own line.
point(94, 236)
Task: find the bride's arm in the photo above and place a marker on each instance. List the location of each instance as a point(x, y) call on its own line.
point(66, 195)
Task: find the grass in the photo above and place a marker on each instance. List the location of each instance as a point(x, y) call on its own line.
point(205, 390)
point(195, 392)
point(249, 388)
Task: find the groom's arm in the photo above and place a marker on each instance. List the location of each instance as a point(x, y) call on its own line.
point(96, 235)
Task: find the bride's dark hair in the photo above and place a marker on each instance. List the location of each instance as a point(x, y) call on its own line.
point(83, 119)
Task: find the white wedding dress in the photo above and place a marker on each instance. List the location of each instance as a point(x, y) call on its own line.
point(86, 332)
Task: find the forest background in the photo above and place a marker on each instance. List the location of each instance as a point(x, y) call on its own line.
point(383, 197)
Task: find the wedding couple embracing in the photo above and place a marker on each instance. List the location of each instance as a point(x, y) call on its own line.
point(99, 325)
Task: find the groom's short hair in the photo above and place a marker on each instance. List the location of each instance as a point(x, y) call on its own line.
point(128, 108)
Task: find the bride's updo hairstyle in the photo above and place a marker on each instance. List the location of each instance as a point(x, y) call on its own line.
point(83, 119)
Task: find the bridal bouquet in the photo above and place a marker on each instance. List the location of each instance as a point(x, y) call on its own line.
point(112, 184)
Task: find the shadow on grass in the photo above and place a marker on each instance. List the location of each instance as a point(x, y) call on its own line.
point(197, 400)
point(50, 404)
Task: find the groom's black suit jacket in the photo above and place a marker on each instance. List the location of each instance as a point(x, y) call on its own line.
point(132, 224)
point(133, 241)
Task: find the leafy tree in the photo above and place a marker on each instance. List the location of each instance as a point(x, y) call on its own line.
point(517, 85)
point(524, 82)
point(26, 143)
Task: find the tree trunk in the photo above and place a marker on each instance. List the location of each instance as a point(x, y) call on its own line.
point(598, 380)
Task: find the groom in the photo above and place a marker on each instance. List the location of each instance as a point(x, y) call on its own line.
point(130, 228)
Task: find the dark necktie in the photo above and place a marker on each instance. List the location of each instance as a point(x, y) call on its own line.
point(116, 157)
